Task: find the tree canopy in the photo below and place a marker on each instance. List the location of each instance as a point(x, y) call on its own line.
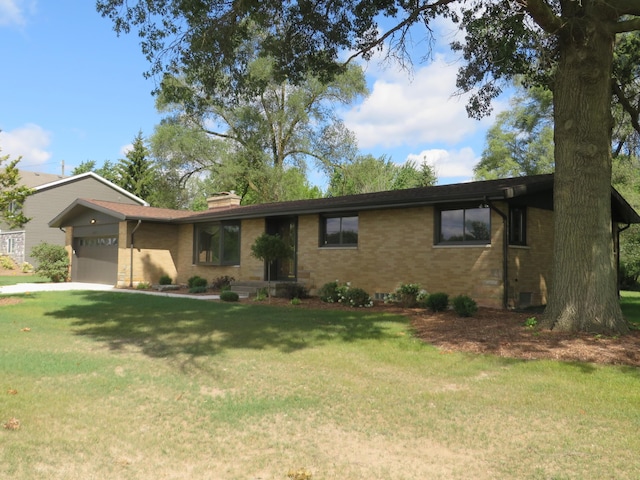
point(567, 45)
point(259, 136)
point(12, 194)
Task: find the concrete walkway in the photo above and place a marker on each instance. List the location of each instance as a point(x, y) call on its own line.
point(57, 287)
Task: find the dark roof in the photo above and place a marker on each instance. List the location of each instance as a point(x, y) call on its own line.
point(536, 190)
point(458, 192)
point(121, 211)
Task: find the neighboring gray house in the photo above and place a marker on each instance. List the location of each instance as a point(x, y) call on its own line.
point(52, 194)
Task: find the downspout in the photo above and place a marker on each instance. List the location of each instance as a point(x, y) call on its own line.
point(131, 255)
point(505, 253)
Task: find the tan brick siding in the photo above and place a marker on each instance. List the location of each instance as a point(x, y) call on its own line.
point(249, 268)
point(155, 252)
point(530, 266)
point(395, 246)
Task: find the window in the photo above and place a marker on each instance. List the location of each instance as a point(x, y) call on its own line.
point(517, 226)
point(339, 231)
point(11, 246)
point(464, 226)
point(217, 243)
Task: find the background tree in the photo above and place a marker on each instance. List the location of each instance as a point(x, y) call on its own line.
point(107, 171)
point(565, 44)
point(135, 172)
point(368, 174)
point(520, 142)
point(12, 194)
point(267, 133)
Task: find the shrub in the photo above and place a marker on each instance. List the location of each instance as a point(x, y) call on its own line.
point(222, 283)
point(292, 290)
point(197, 289)
point(165, 280)
point(261, 295)
point(26, 267)
point(53, 262)
point(143, 286)
point(329, 292)
point(464, 306)
point(196, 281)
point(437, 302)
point(354, 297)
point(229, 296)
point(7, 262)
point(296, 301)
point(406, 295)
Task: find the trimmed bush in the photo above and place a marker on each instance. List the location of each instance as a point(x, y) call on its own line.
point(53, 261)
point(7, 262)
point(406, 295)
point(464, 306)
point(222, 283)
point(165, 280)
point(329, 292)
point(198, 290)
point(196, 281)
point(229, 296)
point(437, 302)
point(354, 297)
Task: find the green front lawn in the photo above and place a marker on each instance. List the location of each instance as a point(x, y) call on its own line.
point(130, 386)
point(15, 279)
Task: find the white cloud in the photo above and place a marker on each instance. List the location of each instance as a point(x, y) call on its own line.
point(13, 12)
point(456, 164)
point(29, 141)
point(126, 149)
point(412, 110)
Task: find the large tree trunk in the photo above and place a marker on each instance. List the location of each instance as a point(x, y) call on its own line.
point(583, 294)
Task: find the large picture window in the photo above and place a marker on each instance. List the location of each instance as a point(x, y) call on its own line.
point(339, 231)
point(464, 226)
point(217, 243)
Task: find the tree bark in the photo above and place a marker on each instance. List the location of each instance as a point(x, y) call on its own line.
point(583, 294)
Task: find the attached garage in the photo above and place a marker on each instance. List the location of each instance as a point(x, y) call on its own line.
point(95, 259)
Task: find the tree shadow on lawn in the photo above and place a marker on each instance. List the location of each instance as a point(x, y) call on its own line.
point(166, 327)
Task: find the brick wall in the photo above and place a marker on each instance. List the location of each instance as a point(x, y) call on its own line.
point(394, 246)
point(155, 252)
point(530, 266)
point(249, 268)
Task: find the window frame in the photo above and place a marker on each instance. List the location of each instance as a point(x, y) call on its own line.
point(460, 207)
point(341, 243)
point(518, 238)
point(222, 248)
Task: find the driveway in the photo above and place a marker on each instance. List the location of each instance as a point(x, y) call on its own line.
point(57, 287)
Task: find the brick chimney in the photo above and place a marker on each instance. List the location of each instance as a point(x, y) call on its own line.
point(223, 199)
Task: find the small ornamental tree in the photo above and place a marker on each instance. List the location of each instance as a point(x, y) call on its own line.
point(270, 248)
point(12, 194)
point(53, 262)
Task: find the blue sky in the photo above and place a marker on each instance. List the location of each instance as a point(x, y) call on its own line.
point(71, 91)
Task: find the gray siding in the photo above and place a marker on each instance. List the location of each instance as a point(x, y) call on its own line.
point(46, 204)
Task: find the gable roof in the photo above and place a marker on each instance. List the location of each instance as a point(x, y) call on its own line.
point(120, 211)
point(34, 179)
point(536, 190)
point(77, 178)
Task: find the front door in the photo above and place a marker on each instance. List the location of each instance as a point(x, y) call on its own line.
point(287, 228)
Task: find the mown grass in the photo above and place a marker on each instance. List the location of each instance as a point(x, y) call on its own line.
point(113, 385)
point(14, 279)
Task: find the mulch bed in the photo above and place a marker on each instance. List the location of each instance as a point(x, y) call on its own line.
point(502, 333)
